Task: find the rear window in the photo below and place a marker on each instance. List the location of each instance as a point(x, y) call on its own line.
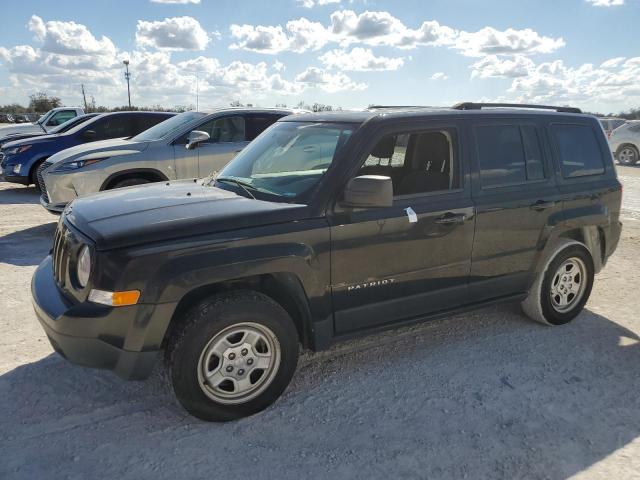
point(509, 154)
point(579, 150)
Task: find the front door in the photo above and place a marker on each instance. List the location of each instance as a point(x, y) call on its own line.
point(413, 258)
point(227, 139)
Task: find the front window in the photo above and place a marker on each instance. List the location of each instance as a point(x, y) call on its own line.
point(167, 127)
point(287, 160)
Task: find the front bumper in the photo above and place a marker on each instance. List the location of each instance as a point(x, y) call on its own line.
point(94, 335)
point(55, 208)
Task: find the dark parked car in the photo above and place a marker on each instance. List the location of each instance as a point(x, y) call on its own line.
point(19, 160)
point(65, 127)
point(329, 226)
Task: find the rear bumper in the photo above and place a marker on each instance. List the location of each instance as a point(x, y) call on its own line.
point(92, 335)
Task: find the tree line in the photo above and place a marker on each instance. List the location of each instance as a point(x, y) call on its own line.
point(41, 102)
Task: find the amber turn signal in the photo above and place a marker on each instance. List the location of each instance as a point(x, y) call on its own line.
point(114, 299)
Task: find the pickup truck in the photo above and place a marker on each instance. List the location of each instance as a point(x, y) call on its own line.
point(51, 119)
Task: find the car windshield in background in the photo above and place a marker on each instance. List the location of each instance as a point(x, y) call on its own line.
point(286, 160)
point(69, 124)
point(163, 129)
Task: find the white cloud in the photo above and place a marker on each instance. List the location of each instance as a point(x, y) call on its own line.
point(380, 28)
point(69, 38)
point(300, 35)
point(313, 3)
point(606, 3)
point(329, 82)
point(439, 76)
point(613, 83)
point(156, 78)
point(359, 60)
point(493, 66)
point(489, 41)
point(177, 33)
point(180, 2)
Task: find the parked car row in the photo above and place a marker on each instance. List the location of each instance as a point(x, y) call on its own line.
point(18, 117)
point(20, 160)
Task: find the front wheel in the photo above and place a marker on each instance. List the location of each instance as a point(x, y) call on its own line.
point(232, 356)
point(561, 291)
point(130, 182)
point(627, 155)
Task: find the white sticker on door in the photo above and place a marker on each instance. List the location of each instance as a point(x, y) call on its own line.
point(413, 218)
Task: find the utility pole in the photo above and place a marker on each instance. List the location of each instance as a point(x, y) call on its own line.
point(127, 75)
point(84, 97)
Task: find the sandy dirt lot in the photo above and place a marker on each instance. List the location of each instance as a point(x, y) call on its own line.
point(482, 395)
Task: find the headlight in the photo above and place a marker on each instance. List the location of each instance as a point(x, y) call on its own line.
point(76, 164)
point(16, 168)
point(84, 266)
point(16, 150)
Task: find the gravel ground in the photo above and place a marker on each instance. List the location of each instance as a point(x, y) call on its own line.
point(481, 395)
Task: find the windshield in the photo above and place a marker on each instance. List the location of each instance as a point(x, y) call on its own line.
point(63, 127)
point(287, 159)
point(163, 129)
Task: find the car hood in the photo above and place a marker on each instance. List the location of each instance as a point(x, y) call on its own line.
point(115, 145)
point(166, 210)
point(35, 140)
point(21, 128)
point(20, 136)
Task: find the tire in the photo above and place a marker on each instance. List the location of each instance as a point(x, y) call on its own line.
point(33, 175)
point(208, 341)
point(627, 155)
point(129, 182)
point(544, 302)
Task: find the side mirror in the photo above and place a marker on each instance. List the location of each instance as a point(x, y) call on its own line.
point(89, 135)
point(369, 191)
point(196, 137)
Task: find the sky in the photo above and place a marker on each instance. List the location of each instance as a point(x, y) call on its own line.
point(344, 53)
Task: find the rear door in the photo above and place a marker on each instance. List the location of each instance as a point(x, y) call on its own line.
point(112, 126)
point(515, 194)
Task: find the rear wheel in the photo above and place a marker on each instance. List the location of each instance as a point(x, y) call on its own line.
point(129, 182)
point(232, 356)
point(627, 155)
point(560, 292)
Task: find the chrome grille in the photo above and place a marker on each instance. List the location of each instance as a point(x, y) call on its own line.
point(40, 178)
point(60, 254)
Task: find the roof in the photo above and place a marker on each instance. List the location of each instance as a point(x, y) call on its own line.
point(287, 111)
point(406, 113)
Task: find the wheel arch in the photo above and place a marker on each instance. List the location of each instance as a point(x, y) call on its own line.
point(284, 288)
point(151, 174)
point(33, 169)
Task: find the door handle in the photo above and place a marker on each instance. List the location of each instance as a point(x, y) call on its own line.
point(451, 218)
point(541, 205)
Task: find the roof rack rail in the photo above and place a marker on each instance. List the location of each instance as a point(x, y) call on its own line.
point(373, 107)
point(480, 106)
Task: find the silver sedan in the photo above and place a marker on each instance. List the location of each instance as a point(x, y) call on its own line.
point(189, 145)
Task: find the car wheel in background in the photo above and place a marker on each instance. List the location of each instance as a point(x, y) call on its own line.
point(129, 182)
point(33, 175)
point(627, 155)
point(232, 355)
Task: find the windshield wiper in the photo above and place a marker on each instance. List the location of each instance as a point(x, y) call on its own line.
point(242, 185)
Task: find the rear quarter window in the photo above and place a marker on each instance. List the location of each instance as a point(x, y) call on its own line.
point(578, 149)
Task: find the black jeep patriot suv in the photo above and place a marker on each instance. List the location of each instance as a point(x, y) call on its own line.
point(325, 227)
